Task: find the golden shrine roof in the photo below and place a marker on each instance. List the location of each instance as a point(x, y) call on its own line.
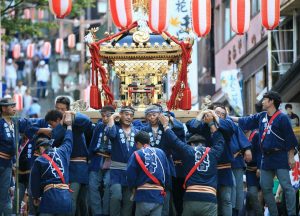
point(140, 45)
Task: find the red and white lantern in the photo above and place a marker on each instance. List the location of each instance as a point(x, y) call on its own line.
point(40, 14)
point(47, 50)
point(201, 17)
point(240, 16)
point(71, 41)
point(59, 45)
point(32, 14)
point(27, 14)
point(121, 12)
point(18, 98)
point(60, 8)
point(158, 15)
point(30, 51)
point(12, 13)
point(16, 52)
point(270, 13)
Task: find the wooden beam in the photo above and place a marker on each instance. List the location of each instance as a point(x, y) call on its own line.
point(183, 116)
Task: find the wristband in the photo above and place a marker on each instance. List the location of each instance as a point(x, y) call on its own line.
point(211, 124)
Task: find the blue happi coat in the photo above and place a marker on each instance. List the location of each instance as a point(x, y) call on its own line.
point(239, 143)
point(161, 141)
point(79, 170)
point(194, 126)
point(7, 140)
point(251, 178)
point(156, 163)
point(99, 143)
point(279, 139)
point(121, 150)
point(206, 174)
point(54, 200)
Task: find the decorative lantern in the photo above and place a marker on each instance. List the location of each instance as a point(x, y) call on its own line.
point(71, 41)
point(270, 13)
point(27, 13)
point(40, 14)
point(30, 51)
point(240, 16)
point(16, 52)
point(158, 15)
point(121, 12)
point(201, 17)
point(18, 98)
point(32, 14)
point(59, 45)
point(47, 50)
point(60, 8)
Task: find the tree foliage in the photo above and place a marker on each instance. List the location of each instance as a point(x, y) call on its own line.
point(16, 24)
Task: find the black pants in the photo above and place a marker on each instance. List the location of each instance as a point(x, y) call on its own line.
point(178, 192)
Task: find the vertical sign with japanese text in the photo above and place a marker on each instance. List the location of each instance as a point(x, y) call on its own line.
point(179, 25)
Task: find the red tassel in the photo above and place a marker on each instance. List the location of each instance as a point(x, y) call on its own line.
point(186, 101)
point(95, 98)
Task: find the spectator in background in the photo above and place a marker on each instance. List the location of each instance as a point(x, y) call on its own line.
point(34, 110)
point(10, 74)
point(42, 77)
point(293, 117)
point(20, 63)
point(27, 101)
point(20, 88)
point(28, 71)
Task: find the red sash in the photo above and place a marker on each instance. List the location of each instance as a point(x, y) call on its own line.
point(146, 171)
point(23, 145)
point(61, 176)
point(191, 172)
point(252, 135)
point(269, 125)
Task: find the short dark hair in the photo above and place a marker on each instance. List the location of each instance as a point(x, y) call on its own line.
point(63, 100)
point(142, 137)
point(107, 108)
point(53, 115)
point(272, 95)
point(289, 106)
point(216, 105)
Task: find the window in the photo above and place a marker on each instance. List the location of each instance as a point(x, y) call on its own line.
point(253, 87)
point(228, 34)
point(255, 7)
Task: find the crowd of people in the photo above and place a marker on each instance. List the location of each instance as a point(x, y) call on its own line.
point(33, 72)
point(156, 166)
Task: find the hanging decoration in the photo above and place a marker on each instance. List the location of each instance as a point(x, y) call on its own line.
point(16, 52)
point(201, 17)
point(18, 98)
point(27, 14)
point(270, 13)
point(181, 96)
point(59, 45)
point(30, 51)
point(71, 41)
point(97, 67)
point(158, 15)
point(40, 14)
point(240, 16)
point(60, 8)
point(32, 14)
point(47, 50)
point(121, 12)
